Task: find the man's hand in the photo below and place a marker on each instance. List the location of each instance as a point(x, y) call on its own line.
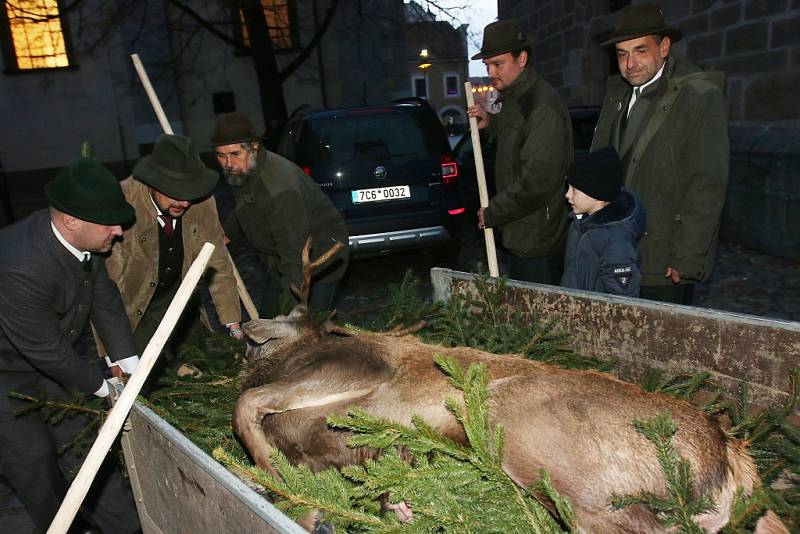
point(480, 114)
point(481, 221)
point(117, 372)
point(674, 274)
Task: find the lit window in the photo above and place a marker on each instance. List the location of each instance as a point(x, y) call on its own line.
point(278, 16)
point(36, 34)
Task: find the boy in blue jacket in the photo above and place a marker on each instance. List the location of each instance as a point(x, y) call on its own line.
point(607, 222)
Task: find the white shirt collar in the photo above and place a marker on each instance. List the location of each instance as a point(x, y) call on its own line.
point(161, 222)
point(79, 255)
point(643, 86)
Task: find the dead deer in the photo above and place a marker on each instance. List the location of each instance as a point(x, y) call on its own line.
point(574, 424)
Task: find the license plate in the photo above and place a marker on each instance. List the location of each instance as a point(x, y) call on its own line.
point(381, 194)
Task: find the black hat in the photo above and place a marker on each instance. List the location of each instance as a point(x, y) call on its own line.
point(501, 37)
point(232, 128)
point(87, 190)
point(640, 20)
point(598, 174)
point(174, 168)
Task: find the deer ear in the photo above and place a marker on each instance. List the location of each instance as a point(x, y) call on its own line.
point(260, 331)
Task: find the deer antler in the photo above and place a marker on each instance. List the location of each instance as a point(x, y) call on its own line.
point(302, 294)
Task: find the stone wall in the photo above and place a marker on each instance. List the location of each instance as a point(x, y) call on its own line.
point(755, 42)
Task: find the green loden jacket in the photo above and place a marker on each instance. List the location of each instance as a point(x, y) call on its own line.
point(277, 210)
point(678, 165)
point(533, 133)
point(133, 263)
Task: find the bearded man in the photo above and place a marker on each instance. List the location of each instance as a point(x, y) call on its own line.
point(278, 207)
point(175, 215)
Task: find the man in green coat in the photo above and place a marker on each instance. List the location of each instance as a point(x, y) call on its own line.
point(278, 207)
point(668, 120)
point(533, 134)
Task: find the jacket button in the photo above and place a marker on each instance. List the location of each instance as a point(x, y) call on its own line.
point(85, 282)
point(139, 312)
point(72, 332)
point(143, 239)
point(152, 284)
point(171, 249)
point(168, 270)
point(80, 307)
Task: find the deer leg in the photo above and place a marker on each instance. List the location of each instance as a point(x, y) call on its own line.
point(257, 403)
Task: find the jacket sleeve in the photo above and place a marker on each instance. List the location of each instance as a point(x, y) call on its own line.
point(34, 330)
point(541, 157)
point(222, 282)
point(109, 319)
point(619, 272)
point(292, 228)
point(705, 184)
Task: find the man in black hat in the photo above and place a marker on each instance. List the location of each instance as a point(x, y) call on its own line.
point(533, 134)
point(278, 207)
point(52, 283)
point(175, 215)
point(668, 120)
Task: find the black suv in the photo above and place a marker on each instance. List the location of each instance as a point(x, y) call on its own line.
point(388, 169)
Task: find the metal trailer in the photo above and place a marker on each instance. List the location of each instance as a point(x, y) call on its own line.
point(180, 489)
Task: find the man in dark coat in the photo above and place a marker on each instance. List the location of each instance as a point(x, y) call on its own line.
point(52, 284)
point(534, 149)
point(668, 120)
point(278, 207)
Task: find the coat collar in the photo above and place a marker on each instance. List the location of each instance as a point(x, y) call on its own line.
point(524, 81)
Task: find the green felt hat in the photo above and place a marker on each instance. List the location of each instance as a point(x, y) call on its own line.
point(640, 20)
point(174, 169)
point(87, 190)
point(501, 37)
point(232, 128)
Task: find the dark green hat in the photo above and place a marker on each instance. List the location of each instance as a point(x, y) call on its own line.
point(232, 128)
point(501, 37)
point(640, 20)
point(87, 190)
point(174, 169)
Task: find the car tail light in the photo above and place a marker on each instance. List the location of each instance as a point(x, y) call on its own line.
point(449, 170)
point(457, 211)
point(307, 170)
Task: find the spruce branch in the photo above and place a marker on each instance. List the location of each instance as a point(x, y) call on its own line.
point(682, 505)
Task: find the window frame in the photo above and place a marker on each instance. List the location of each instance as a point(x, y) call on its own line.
point(294, 30)
point(414, 78)
point(455, 75)
point(10, 64)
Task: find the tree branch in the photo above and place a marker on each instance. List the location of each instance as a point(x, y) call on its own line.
point(213, 30)
point(306, 52)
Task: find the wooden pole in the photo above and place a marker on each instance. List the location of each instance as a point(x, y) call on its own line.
point(116, 417)
point(483, 192)
point(244, 295)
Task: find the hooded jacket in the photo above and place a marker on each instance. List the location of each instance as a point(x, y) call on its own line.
point(677, 165)
point(603, 248)
point(533, 133)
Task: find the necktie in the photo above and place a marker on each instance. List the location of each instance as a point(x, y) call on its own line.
point(86, 262)
point(168, 224)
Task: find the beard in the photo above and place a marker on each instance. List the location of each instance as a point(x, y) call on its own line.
point(239, 178)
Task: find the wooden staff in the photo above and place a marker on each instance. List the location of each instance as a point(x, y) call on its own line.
point(483, 192)
point(167, 128)
point(116, 417)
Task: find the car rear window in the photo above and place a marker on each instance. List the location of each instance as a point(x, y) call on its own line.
point(363, 136)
